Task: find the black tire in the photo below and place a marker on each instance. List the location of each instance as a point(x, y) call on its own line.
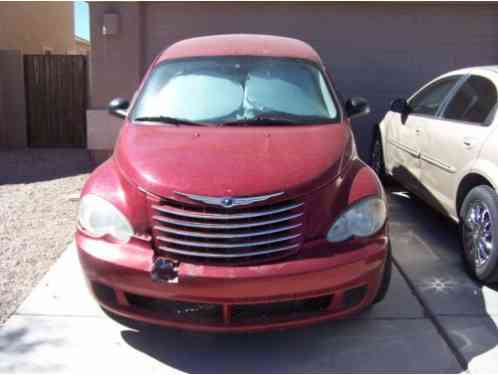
point(479, 230)
point(377, 158)
point(386, 279)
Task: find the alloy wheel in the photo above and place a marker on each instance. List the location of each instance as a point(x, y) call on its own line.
point(478, 233)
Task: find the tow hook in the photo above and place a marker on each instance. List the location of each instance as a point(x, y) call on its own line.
point(164, 271)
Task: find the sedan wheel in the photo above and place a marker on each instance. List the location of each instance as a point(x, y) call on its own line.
point(477, 233)
point(478, 227)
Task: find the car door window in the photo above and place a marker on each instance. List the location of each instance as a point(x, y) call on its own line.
point(474, 101)
point(428, 101)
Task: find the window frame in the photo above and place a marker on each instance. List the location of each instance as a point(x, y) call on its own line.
point(460, 78)
point(489, 119)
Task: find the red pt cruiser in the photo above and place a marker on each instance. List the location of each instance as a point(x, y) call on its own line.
point(235, 199)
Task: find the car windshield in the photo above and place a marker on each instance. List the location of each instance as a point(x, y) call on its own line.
point(236, 89)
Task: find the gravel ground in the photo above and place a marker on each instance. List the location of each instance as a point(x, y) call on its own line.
point(37, 216)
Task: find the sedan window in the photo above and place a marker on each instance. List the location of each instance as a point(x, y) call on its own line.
point(473, 102)
point(428, 101)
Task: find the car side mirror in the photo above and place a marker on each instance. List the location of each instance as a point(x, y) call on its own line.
point(401, 106)
point(357, 107)
point(118, 107)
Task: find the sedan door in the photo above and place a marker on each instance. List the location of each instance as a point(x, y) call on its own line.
point(450, 143)
point(405, 130)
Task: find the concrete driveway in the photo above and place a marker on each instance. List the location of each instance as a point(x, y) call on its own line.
point(434, 319)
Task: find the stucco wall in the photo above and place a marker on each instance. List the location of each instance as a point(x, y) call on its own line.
point(116, 67)
point(116, 60)
point(82, 47)
point(31, 26)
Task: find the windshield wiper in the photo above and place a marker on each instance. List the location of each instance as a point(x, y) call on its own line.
point(170, 120)
point(278, 119)
point(262, 120)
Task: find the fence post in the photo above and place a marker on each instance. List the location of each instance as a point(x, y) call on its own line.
point(13, 124)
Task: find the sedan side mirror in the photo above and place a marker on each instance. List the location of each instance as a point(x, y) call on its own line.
point(401, 106)
point(357, 107)
point(118, 107)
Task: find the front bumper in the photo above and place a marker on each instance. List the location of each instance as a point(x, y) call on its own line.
point(292, 292)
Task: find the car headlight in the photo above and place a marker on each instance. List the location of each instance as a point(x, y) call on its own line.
point(98, 217)
point(362, 219)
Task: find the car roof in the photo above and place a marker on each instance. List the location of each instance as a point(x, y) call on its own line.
point(489, 71)
point(240, 45)
point(473, 69)
point(493, 68)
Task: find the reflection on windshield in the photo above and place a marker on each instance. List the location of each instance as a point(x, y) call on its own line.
point(234, 89)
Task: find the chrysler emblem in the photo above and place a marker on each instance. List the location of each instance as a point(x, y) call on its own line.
point(228, 202)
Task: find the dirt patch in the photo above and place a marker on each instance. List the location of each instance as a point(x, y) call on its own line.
point(37, 215)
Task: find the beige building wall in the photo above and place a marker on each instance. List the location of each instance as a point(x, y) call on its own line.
point(117, 58)
point(35, 27)
point(116, 67)
point(82, 46)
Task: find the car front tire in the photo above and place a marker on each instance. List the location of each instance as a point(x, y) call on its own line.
point(377, 158)
point(478, 233)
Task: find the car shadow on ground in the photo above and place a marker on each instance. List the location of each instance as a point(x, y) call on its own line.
point(427, 250)
point(425, 245)
point(22, 166)
point(348, 346)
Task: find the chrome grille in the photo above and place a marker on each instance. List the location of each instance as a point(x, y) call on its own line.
point(227, 234)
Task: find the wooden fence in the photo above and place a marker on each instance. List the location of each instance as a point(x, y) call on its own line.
point(12, 100)
point(56, 100)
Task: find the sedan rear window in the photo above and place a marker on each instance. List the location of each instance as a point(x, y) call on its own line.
point(237, 89)
point(473, 102)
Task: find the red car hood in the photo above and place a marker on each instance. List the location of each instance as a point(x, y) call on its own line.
point(235, 161)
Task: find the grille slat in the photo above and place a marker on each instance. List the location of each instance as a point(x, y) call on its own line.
point(226, 235)
point(228, 255)
point(221, 245)
point(228, 216)
point(200, 231)
point(193, 224)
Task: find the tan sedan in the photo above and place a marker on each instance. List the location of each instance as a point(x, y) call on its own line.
point(442, 144)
